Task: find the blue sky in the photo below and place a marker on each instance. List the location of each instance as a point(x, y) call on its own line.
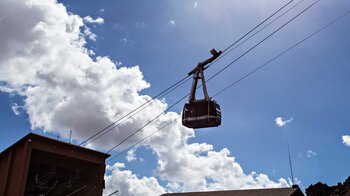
point(166, 39)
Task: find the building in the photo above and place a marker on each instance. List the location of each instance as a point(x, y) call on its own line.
point(38, 165)
point(294, 191)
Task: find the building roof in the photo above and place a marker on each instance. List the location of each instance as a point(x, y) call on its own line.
point(248, 192)
point(36, 137)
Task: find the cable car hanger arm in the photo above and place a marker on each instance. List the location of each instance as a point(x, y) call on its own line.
point(201, 65)
point(199, 74)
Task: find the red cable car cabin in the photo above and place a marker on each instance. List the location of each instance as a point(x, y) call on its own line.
point(205, 112)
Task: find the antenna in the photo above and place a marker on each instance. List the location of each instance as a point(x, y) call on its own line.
point(70, 136)
point(114, 192)
point(290, 164)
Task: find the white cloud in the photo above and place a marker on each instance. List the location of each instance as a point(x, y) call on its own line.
point(195, 4)
point(124, 40)
point(87, 31)
point(281, 122)
point(89, 19)
point(89, 34)
point(346, 140)
point(131, 155)
point(309, 153)
point(172, 22)
point(128, 184)
point(198, 167)
point(16, 109)
point(91, 52)
point(65, 89)
point(101, 10)
point(4, 88)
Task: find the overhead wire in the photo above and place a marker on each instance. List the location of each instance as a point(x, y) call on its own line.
point(257, 26)
point(131, 115)
point(242, 78)
point(253, 29)
point(217, 73)
point(149, 122)
point(260, 42)
point(264, 27)
point(282, 53)
point(172, 87)
point(145, 138)
point(134, 110)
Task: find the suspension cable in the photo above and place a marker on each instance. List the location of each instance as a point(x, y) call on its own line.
point(134, 110)
point(267, 37)
point(242, 78)
point(268, 24)
point(282, 53)
point(172, 87)
point(145, 138)
point(217, 73)
point(149, 122)
point(258, 25)
point(125, 119)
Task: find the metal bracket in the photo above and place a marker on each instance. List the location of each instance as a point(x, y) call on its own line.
point(198, 73)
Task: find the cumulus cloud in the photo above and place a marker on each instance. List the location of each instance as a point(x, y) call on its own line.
point(87, 31)
point(172, 22)
point(92, 36)
point(309, 153)
point(17, 109)
point(89, 19)
point(346, 140)
point(281, 122)
point(44, 59)
point(129, 184)
point(131, 155)
point(199, 167)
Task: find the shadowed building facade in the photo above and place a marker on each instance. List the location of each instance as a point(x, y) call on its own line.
point(38, 165)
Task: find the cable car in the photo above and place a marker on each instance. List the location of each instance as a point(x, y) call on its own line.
point(201, 113)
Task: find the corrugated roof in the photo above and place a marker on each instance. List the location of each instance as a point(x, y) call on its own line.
point(247, 192)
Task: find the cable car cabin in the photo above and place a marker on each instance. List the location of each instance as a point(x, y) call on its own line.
point(201, 114)
point(205, 112)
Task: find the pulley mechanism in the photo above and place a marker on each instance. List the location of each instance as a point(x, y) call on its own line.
point(205, 112)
